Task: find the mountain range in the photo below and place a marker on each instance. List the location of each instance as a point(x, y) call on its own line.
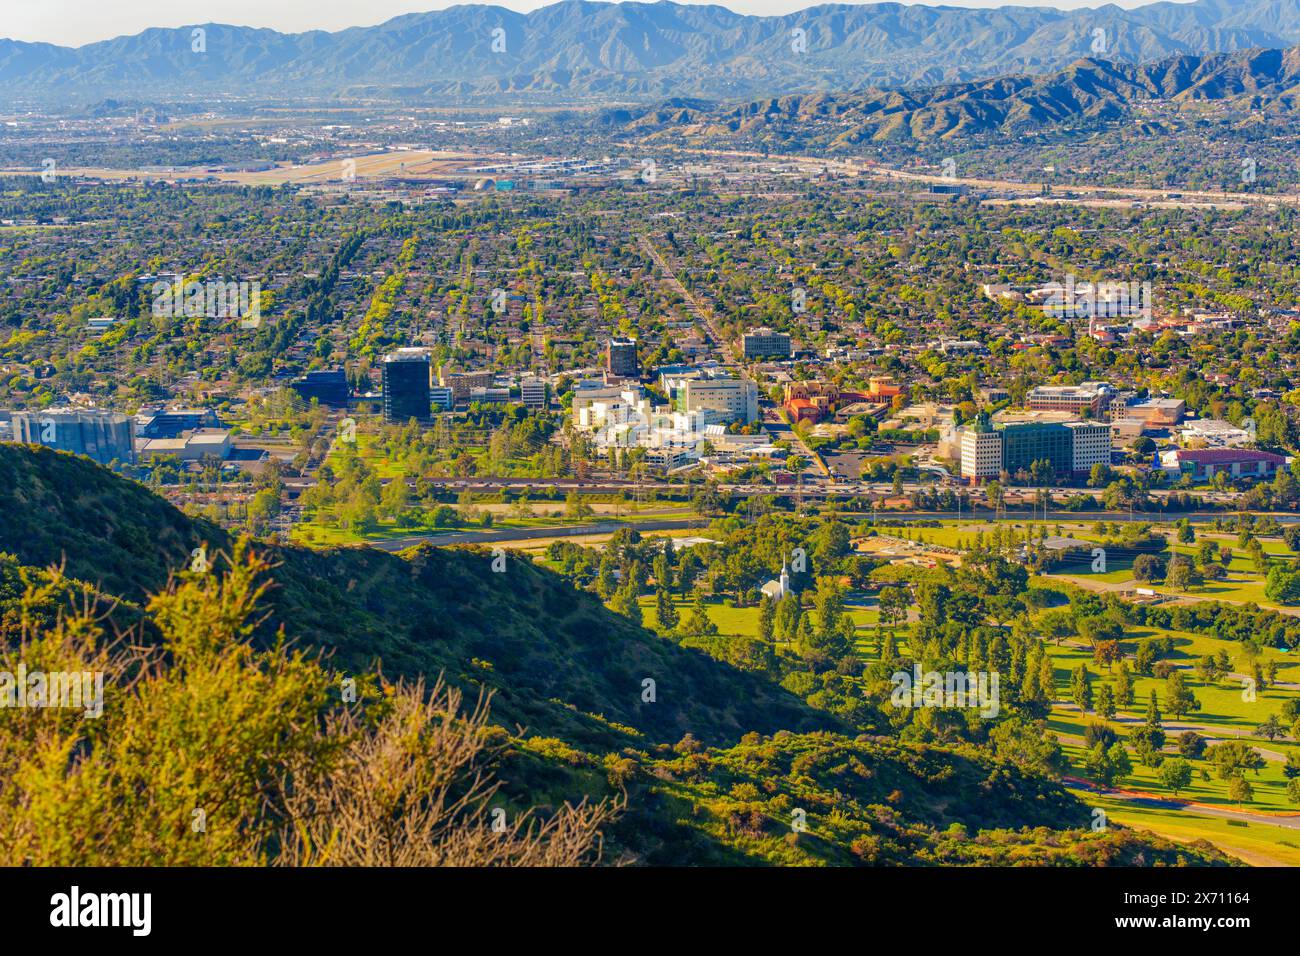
point(1089, 92)
point(630, 52)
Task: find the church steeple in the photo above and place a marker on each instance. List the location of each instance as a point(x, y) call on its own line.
point(785, 579)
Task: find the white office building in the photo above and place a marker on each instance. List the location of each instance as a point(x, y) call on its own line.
point(1091, 443)
point(981, 453)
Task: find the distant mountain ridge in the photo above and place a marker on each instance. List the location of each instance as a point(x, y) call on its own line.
point(639, 52)
point(1090, 91)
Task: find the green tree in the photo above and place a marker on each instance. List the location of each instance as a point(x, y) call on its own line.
point(1081, 687)
point(766, 619)
point(1191, 744)
point(1271, 729)
point(1233, 758)
point(625, 602)
point(1178, 697)
point(1108, 765)
point(1106, 701)
point(1123, 686)
point(1176, 774)
point(1240, 791)
point(1282, 585)
point(665, 610)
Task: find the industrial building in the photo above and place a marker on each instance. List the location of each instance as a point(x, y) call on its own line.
point(104, 436)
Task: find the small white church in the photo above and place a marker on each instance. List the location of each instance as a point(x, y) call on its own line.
point(780, 587)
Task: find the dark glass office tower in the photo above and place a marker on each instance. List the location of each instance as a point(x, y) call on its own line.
point(1024, 444)
point(406, 386)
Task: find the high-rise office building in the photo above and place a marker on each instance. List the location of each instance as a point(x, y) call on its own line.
point(981, 450)
point(406, 386)
point(987, 450)
point(620, 358)
point(532, 392)
point(1023, 444)
point(1091, 445)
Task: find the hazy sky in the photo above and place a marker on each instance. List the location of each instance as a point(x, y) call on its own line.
point(74, 22)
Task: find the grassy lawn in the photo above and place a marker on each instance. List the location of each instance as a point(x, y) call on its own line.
point(1221, 703)
point(504, 519)
point(1269, 785)
point(1222, 707)
point(743, 621)
point(1259, 844)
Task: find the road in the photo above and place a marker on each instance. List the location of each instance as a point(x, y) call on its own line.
point(1212, 735)
point(725, 346)
point(562, 531)
point(1171, 597)
point(877, 171)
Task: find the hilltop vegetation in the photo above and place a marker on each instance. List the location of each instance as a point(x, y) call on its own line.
point(559, 663)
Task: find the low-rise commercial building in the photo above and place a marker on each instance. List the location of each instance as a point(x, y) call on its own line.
point(765, 343)
point(1158, 412)
point(1202, 464)
point(1094, 397)
point(462, 383)
point(1213, 433)
point(190, 446)
point(442, 397)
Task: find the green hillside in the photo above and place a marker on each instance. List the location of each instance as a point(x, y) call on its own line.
point(713, 768)
point(557, 661)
